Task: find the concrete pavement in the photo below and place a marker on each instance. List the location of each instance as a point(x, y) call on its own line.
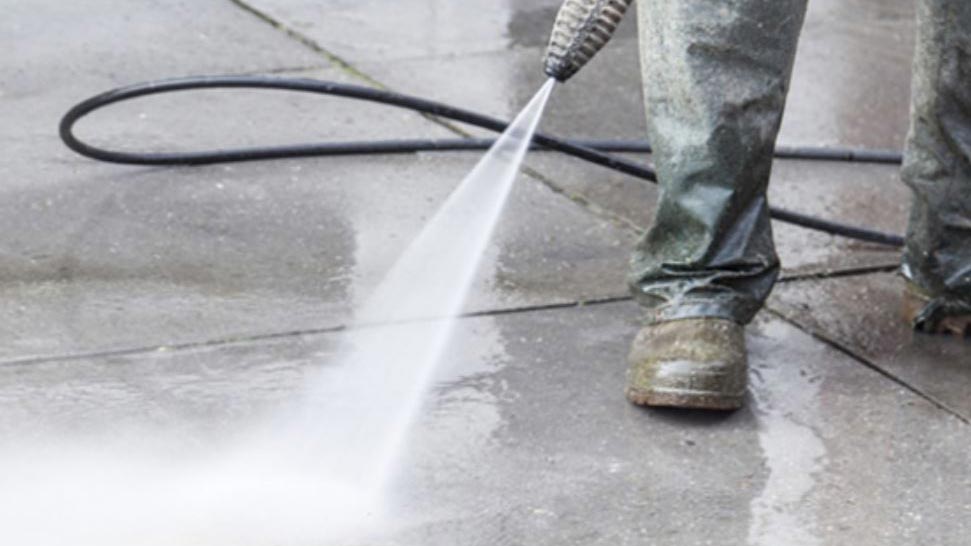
point(192, 299)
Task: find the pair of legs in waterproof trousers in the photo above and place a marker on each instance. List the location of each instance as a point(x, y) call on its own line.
point(716, 75)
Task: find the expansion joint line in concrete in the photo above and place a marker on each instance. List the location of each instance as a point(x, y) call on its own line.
point(618, 220)
point(843, 349)
point(270, 336)
point(335, 59)
point(310, 332)
point(168, 348)
point(359, 74)
point(857, 271)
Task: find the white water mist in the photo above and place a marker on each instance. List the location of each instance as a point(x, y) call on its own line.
point(317, 473)
point(366, 402)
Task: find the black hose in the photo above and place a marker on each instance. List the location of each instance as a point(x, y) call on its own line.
point(592, 151)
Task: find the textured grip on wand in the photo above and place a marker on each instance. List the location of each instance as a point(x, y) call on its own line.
point(582, 27)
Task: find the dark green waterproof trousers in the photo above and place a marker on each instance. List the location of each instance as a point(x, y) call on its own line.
point(716, 74)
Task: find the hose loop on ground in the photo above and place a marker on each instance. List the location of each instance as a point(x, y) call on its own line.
point(593, 151)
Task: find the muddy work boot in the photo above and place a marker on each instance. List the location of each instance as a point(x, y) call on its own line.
point(931, 316)
point(689, 363)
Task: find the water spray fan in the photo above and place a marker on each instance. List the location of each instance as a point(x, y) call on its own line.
point(581, 29)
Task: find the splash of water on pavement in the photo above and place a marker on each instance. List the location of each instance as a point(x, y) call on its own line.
point(316, 473)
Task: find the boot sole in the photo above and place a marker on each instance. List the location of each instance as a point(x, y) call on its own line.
point(685, 399)
point(912, 305)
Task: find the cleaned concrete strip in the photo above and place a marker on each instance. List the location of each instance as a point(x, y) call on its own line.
point(527, 438)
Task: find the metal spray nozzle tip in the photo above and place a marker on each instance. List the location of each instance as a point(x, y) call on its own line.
point(581, 28)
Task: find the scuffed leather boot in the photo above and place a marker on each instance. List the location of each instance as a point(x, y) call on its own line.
point(690, 363)
point(925, 315)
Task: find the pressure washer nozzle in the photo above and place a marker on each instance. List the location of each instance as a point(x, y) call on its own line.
point(582, 27)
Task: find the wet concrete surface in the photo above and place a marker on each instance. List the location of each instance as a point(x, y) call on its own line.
point(101, 258)
point(527, 439)
point(191, 300)
point(170, 256)
point(411, 29)
point(863, 315)
point(862, 50)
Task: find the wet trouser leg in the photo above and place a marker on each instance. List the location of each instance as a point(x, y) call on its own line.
point(937, 160)
point(715, 74)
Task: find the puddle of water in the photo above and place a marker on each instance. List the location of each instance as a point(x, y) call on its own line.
point(794, 456)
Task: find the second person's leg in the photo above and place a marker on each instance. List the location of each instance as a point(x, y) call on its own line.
point(937, 167)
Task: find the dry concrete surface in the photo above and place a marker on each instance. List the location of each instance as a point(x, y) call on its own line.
point(191, 298)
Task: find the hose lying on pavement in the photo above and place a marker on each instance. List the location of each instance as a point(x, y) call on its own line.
point(593, 151)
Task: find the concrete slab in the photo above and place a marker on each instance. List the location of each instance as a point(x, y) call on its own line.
point(86, 47)
point(870, 196)
point(104, 257)
point(862, 49)
point(376, 30)
point(862, 314)
point(526, 438)
point(580, 466)
point(164, 310)
point(58, 54)
point(101, 257)
point(851, 82)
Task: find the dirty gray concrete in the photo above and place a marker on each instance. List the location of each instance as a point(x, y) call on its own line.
point(101, 257)
point(192, 299)
point(858, 315)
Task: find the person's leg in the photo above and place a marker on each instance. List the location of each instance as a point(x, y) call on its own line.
point(715, 75)
point(937, 167)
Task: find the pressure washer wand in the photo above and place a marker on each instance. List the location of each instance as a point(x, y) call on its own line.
point(582, 27)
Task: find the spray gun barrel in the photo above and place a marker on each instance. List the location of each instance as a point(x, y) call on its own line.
point(582, 27)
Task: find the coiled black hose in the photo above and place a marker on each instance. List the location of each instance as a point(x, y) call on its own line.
point(592, 151)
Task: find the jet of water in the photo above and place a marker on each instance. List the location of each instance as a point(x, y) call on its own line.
point(358, 412)
point(320, 476)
